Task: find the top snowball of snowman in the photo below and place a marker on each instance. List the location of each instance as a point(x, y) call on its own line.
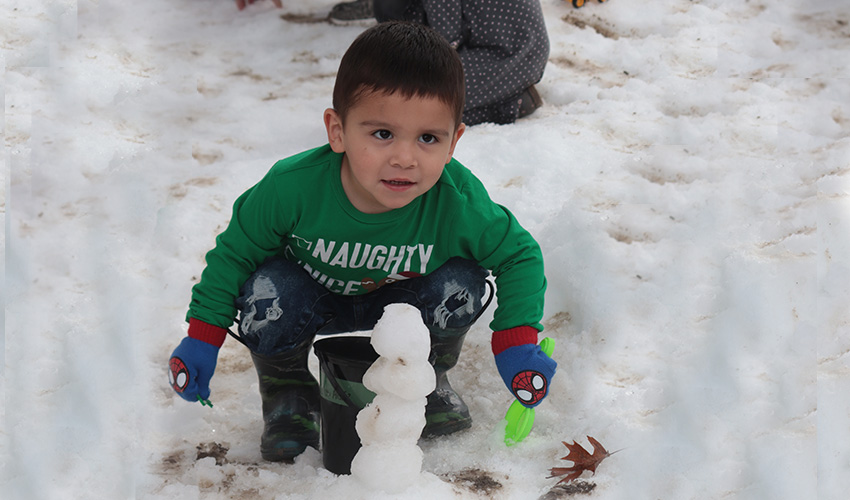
point(400, 333)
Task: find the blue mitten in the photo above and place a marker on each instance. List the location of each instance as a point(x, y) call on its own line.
point(526, 370)
point(191, 367)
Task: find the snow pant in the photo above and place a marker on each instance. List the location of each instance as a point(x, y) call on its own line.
point(282, 307)
point(504, 48)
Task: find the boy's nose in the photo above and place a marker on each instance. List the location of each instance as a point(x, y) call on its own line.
point(404, 155)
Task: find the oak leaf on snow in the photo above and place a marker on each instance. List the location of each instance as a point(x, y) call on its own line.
point(581, 459)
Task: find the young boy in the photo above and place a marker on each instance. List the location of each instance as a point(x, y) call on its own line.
point(382, 214)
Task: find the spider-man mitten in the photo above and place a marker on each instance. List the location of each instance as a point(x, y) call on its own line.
point(193, 361)
point(524, 367)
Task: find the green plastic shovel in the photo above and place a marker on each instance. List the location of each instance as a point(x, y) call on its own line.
point(520, 418)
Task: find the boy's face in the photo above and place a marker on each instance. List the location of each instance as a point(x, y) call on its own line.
point(395, 148)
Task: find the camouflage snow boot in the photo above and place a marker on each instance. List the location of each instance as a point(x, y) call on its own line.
point(445, 411)
point(290, 396)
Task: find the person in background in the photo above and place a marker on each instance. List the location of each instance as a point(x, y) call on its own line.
point(503, 45)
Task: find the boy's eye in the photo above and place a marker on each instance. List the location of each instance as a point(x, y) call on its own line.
point(428, 139)
point(383, 134)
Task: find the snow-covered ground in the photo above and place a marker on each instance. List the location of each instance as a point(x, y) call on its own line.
point(688, 181)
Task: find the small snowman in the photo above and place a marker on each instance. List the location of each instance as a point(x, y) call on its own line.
point(389, 427)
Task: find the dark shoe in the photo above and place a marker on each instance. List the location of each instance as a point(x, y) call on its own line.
point(445, 411)
point(290, 397)
point(348, 12)
point(529, 101)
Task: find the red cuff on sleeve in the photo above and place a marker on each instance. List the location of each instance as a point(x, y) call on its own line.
point(210, 334)
point(511, 337)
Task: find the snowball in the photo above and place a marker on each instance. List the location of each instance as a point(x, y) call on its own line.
point(391, 468)
point(389, 418)
point(401, 333)
point(407, 380)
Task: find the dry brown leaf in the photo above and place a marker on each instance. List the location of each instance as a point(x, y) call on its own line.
point(581, 459)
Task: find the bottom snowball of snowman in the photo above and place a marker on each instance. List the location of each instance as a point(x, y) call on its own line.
point(388, 467)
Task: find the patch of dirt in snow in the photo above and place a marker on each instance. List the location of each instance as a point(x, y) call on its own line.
point(226, 477)
point(476, 480)
point(215, 450)
point(568, 490)
point(593, 22)
point(305, 18)
point(828, 23)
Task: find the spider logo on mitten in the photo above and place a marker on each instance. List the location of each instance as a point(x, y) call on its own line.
point(178, 374)
point(529, 387)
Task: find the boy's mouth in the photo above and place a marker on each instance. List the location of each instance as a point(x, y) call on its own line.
point(398, 184)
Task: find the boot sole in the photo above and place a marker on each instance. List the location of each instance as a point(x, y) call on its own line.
point(447, 427)
point(285, 451)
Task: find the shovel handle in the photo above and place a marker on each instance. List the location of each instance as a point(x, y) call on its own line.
point(547, 345)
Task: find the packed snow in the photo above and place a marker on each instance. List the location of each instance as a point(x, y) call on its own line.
point(687, 179)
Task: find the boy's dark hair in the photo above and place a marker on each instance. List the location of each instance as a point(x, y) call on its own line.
point(404, 57)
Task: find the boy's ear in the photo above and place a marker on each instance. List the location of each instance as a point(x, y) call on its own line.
point(459, 132)
point(333, 124)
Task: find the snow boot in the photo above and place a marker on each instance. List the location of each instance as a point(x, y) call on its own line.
point(356, 12)
point(290, 396)
point(445, 411)
point(529, 101)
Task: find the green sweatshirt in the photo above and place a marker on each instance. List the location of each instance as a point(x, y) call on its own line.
point(300, 211)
